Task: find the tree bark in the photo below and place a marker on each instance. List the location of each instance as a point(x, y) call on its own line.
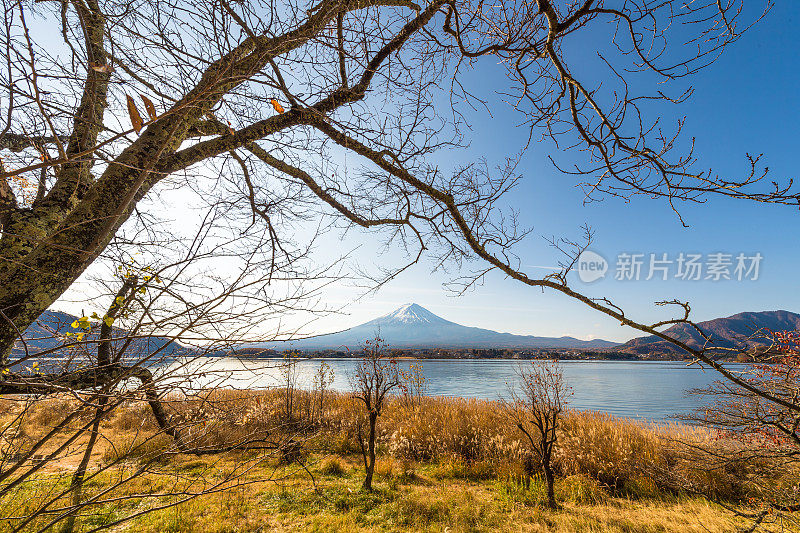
point(80, 473)
point(550, 480)
point(44, 250)
point(373, 419)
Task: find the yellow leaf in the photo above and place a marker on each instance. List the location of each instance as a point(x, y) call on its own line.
point(75, 325)
point(108, 320)
point(277, 106)
point(149, 107)
point(136, 118)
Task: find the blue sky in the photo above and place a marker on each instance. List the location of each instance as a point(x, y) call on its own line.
point(745, 103)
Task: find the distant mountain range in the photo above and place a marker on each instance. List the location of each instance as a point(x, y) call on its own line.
point(727, 332)
point(413, 326)
point(39, 337)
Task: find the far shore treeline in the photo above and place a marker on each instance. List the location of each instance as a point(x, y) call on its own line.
point(461, 353)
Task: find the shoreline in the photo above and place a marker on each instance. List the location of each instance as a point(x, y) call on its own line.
point(571, 359)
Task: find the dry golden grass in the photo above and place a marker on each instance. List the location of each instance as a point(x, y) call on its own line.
point(446, 464)
point(454, 506)
point(420, 503)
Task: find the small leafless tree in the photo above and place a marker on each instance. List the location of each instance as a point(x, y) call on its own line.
point(756, 438)
point(289, 374)
point(323, 379)
point(141, 358)
point(537, 409)
point(414, 385)
point(374, 377)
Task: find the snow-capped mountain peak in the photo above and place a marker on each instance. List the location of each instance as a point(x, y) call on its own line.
point(411, 313)
point(412, 325)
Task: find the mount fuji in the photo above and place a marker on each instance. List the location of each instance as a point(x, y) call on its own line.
point(413, 326)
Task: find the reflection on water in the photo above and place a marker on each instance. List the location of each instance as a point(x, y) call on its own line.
point(648, 390)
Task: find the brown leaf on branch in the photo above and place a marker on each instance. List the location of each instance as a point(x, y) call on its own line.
point(149, 107)
point(136, 118)
point(277, 106)
point(105, 68)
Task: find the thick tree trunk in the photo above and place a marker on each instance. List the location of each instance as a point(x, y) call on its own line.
point(373, 419)
point(23, 300)
point(32, 278)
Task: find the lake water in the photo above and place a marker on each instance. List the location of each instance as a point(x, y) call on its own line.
point(646, 390)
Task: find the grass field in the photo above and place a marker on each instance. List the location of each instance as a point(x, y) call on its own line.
point(446, 465)
point(409, 497)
